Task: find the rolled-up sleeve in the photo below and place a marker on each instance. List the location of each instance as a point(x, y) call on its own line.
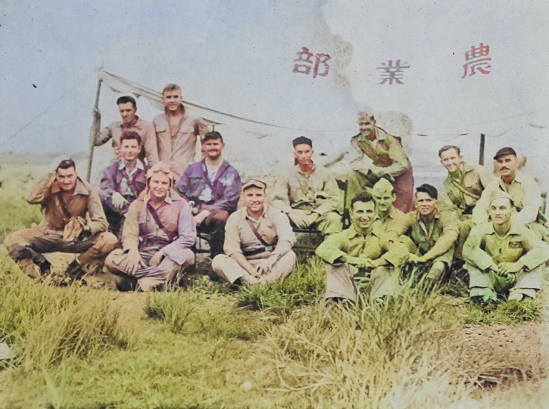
point(232, 235)
point(98, 222)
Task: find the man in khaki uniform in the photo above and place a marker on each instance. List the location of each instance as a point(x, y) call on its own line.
point(258, 241)
point(504, 255)
point(361, 250)
point(127, 108)
point(432, 233)
point(463, 185)
point(74, 222)
point(524, 190)
point(308, 194)
point(384, 197)
point(381, 156)
point(176, 131)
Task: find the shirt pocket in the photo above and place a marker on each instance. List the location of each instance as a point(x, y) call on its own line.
point(514, 251)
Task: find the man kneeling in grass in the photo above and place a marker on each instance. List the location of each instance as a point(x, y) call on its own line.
point(258, 241)
point(158, 234)
point(504, 255)
point(74, 222)
point(361, 250)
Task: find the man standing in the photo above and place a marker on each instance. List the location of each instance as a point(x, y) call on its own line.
point(503, 255)
point(360, 249)
point(74, 222)
point(157, 236)
point(258, 241)
point(524, 190)
point(123, 181)
point(432, 233)
point(381, 156)
point(213, 188)
point(308, 194)
point(127, 108)
point(176, 131)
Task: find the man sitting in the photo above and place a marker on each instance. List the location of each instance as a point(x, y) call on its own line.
point(463, 187)
point(258, 241)
point(157, 236)
point(432, 233)
point(308, 194)
point(504, 255)
point(384, 197)
point(360, 249)
point(74, 222)
point(123, 181)
point(212, 186)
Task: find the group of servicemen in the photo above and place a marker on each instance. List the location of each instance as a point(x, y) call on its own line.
point(142, 223)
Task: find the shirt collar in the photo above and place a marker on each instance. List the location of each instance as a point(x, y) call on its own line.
point(122, 164)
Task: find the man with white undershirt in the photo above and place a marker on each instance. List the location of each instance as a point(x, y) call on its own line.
point(213, 188)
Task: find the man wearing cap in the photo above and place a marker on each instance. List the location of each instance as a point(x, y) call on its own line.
point(381, 156)
point(361, 250)
point(74, 222)
point(432, 232)
point(504, 255)
point(308, 194)
point(157, 236)
point(524, 190)
point(127, 108)
point(176, 131)
point(213, 187)
point(123, 181)
point(384, 197)
point(258, 241)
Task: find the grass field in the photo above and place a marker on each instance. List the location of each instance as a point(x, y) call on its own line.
point(273, 346)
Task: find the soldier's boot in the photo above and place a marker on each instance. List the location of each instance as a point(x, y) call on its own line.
point(75, 271)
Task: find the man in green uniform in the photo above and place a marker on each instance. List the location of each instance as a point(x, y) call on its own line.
point(308, 194)
point(360, 249)
point(463, 185)
point(381, 156)
point(504, 255)
point(384, 197)
point(432, 233)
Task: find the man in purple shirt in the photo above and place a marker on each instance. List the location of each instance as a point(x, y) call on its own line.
point(123, 181)
point(157, 236)
point(213, 187)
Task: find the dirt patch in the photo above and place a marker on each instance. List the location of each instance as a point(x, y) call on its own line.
point(502, 355)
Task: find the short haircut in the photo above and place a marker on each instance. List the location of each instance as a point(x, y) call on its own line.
point(125, 99)
point(214, 135)
point(361, 197)
point(429, 189)
point(170, 87)
point(130, 135)
point(66, 164)
point(447, 148)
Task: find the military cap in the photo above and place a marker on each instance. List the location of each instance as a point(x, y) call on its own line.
point(430, 190)
point(500, 194)
point(302, 140)
point(254, 182)
point(504, 151)
point(383, 186)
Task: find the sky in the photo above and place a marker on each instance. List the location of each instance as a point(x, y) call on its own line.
point(237, 56)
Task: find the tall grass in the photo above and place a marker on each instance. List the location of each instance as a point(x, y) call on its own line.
point(304, 286)
point(45, 324)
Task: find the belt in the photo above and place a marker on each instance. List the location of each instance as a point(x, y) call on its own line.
point(258, 250)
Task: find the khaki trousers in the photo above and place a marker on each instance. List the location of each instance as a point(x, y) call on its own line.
point(229, 270)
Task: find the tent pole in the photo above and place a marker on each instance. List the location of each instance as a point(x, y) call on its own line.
point(481, 149)
point(93, 131)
